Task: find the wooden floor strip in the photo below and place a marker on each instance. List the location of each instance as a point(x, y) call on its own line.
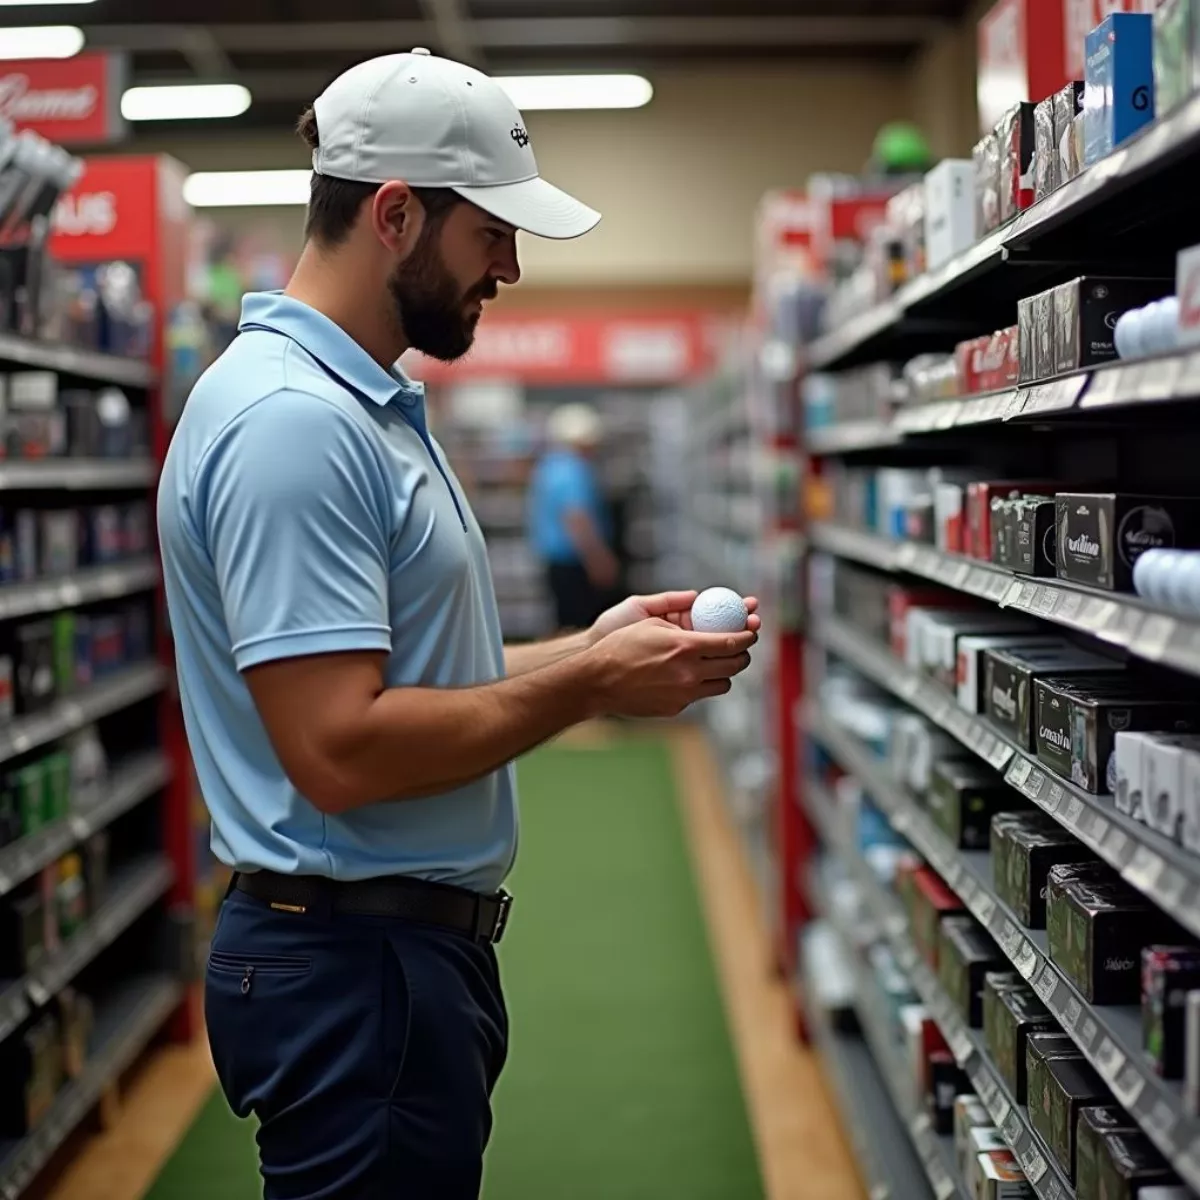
point(801, 1147)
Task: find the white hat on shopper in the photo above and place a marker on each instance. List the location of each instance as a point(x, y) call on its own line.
point(574, 425)
point(432, 122)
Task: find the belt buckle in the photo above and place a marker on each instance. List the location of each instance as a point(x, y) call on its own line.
point(503, 906)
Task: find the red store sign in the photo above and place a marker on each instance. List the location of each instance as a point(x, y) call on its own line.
point(71, 101)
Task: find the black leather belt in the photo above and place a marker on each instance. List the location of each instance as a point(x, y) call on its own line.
point(481, 918)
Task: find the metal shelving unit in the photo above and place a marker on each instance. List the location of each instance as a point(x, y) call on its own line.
point(91, 365)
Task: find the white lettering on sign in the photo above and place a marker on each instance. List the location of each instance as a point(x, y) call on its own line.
point(633, 351)
point(21, 102)
point(534, 345)
point(92, 213)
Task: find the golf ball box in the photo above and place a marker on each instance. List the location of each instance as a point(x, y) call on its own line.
point(1128, 1165)
point(1085, 312)
point(963, 797)
point(1025, 845)
point(965, 956)
point(998, 1176)
point(1094, 1123)
point(1168, 974)
point(1068, 105)
point(1119, 79)
point(950, 223)
point(971, 673)
point(1033, 539)
point(1045, 154)
point(986, 159)
point(1015, 134)
point(1101, 534)
point(1058, 1089)
point(1012, 1013)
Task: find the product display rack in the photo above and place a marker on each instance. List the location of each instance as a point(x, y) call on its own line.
point(131, 1004)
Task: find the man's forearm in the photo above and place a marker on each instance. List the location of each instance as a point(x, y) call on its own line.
point(418, 742)
point(518, 660)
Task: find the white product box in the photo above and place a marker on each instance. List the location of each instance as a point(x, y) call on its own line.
point(948, 499)
point(982, 1142)
point(969, 665)
point(1190, 832)
point(896, 487)
point(1128, 755)
point(969, 1114)
point(1191, 1055)
point(944, 636)
point(1187, 288)
point(1000, 1178)
point(949, 210)
point(1163, 756)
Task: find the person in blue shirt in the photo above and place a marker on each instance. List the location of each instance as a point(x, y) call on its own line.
point(352, 712)
point(569, 526)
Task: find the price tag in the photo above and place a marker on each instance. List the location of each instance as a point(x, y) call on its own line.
point(1009, 939)
point(1071, 1014)
point(1034, 784)
point(1045, 984)
point(1011, 1126)
point(1045, 602)
point(1159, 378)
point(1115, 844)
point(1154, 636)
point(958, 577)
point(1188, 383)
point(1159, 1123)
point(1025, 960)
point(1016, 403)
point(1171, 889)
point(1069, 606)
point(1097, 614)
point(1109, 1060)
point(999, 753)
point(1018, 772)
point(1087, 1033)
point(947, 414)
point(1105, 388)
point(1128, 1085)
point(998, 587)
point(1074, 811)
point(1144, 869)
point(960, 1045)
point(1100, 828)
point(977, 581)
point(1013, 595)
point(1032, 1163)
point(985, 908)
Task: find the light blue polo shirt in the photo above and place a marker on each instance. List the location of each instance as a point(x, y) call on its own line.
point(561, 481)
point(304, 509)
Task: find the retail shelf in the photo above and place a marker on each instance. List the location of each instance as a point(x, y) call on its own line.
point(1120, 620)
point(125, 1023)
point(1109, 1036)
point(77, 474)
point(1156, 866)
point(852, 435)
point(882, 1144)
point(97, 700)
point(80, 587)
point(965, 1044)
point(1100, 191)
point(131, 893)
point(86, 364)
point(14, 1006)
point(130, 783)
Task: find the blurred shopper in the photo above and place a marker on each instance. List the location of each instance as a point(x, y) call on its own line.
point(569, 527)
point(352, 713)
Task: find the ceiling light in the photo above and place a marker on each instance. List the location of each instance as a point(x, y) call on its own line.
point(185, 102)
point(576, 91)
point(236, 189)
point(41, 41)
point(39, 3)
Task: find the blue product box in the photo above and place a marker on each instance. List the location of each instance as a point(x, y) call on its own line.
point(1119, 82)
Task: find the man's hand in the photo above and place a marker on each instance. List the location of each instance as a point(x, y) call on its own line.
point(673, 607)
point(653, 668)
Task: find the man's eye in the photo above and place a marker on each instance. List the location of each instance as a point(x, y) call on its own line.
point(497, 235)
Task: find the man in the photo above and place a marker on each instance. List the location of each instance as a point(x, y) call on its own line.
point(568, 527)
point(351, 711)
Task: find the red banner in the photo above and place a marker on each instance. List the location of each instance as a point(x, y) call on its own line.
point(657, 348)
point(71, 101)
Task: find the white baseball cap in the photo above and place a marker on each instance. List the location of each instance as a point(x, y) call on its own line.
point(433, 122)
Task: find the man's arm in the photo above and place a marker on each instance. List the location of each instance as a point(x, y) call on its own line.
point(594, 552)
point(529, 657)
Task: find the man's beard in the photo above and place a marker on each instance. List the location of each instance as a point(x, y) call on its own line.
point(431, 309)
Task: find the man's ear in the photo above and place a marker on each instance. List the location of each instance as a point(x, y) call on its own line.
point(397, 217)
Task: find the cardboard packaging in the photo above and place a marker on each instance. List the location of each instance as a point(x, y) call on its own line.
point(1095, 1122)
point(1015, 136)
point(949, 210)
point(1045, 152)
point(1129, 766)
point(1085, 312)
point(1024, 846)
point(946, 1080)
point(1032, 546)
point(1096, 928)
point(1102, 534)
point(964, 796)
point(1067, 1085)
point(999, 1177)
point(1130, 1166)
point(980, 495)
point(986, 161)
point(983, 1142)
point(971, 672)
point(965, 956)
point(1169, 973)
point(942, 630)
point(1119, 78)
point(1165, 772)
point(932, 901)
point(1009, 680)
point(969, 1114)
point(1011, 1013)
point(1068, 105)
point(1173, 35)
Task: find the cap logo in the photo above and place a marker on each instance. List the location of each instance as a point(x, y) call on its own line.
point(519, 136)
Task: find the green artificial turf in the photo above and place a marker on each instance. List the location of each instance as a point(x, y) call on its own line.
point(621, 1082)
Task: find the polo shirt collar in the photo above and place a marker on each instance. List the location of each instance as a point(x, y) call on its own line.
point(330, 345)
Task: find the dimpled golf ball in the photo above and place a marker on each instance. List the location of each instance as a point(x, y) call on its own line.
point(719, 610)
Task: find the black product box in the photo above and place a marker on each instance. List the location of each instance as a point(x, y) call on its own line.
point(1015, 136)
point(1025, 340)
point(1034, 527)
point(1096, 928)
point(36, 425)
point(10, 812)
point(1102, 534)
point(136, 526)
point(963, 796)
point(946, 1080)
point(1085, 312)
point(1068, 1084)
point(103, 535)
point(1009, 678)
point(1004, 530)
point(1045, 152)
point(34, 666)
point(31, 1071)
point(965, 956)
point(1078, 720)
point(1068, 104)
point(107, 645)
point(1035, 337)
point(95, 867)
point(77, 1019)
point(1168, 974)
point(25, 544)
point(85, 671)
point(1094, 1122)
point(1129, 1163)
point(1011, 1012)
point(1041, 1049)
point(1024, 848)
point(84, 431)
point(7, 688)
point(58, 541)
point(22, 934)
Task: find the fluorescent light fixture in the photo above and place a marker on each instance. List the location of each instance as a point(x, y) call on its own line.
point(238, 189)
point(185, 102)
point(529, 92)
point(41, 41)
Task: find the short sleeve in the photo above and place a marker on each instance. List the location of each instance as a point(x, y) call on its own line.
point(569, 487)
point(293, 510)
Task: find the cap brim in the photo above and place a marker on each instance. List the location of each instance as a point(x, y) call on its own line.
point(535, 206)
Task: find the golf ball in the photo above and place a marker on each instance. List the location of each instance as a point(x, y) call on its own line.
point(719, 610)
point(1128, 334)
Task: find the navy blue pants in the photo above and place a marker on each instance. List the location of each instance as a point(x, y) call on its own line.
point(367, 1048)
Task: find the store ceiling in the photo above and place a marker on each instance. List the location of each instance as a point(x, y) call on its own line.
point(286, 50)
